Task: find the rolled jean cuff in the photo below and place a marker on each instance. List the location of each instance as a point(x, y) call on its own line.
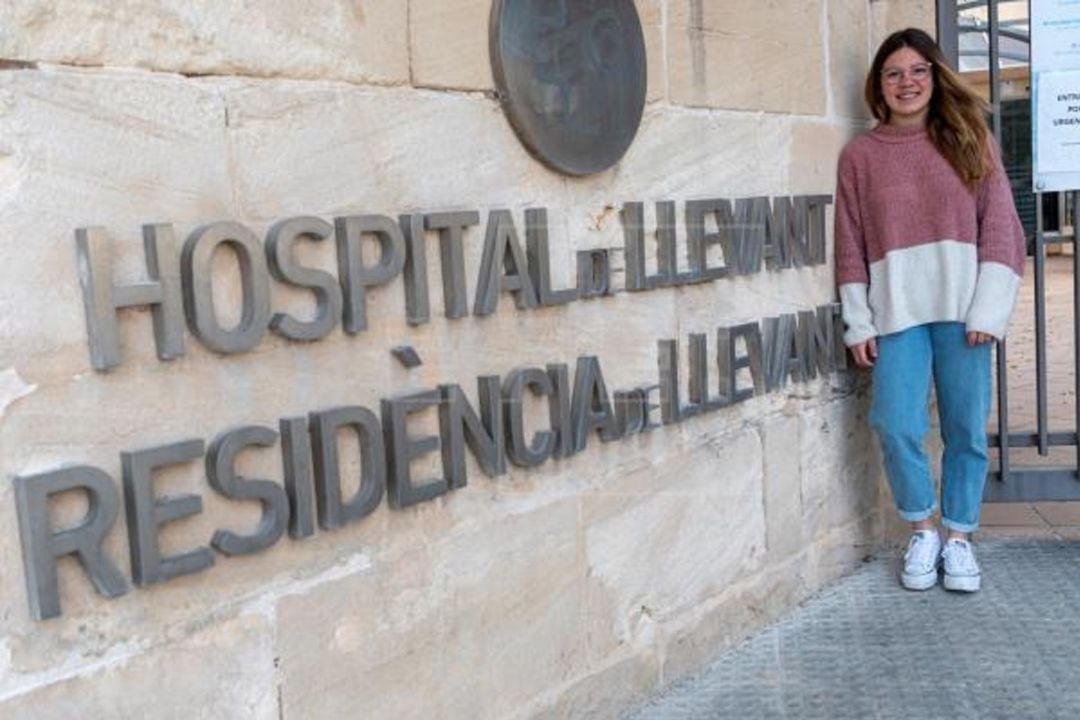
point(916, 515)
point(958, 526)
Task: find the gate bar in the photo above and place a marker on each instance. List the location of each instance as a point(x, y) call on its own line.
point(1033, 485)
point(995, 69)
point(1026, 440)
point(1076, 319)
point(1040, 326)
point(1002, 375)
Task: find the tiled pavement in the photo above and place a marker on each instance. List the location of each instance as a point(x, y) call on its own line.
point(1045, 520)
point(864, 649)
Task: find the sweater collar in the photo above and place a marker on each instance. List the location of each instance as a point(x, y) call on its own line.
point(898, 133)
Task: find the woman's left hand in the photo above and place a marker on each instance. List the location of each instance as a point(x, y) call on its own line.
point(978, 338)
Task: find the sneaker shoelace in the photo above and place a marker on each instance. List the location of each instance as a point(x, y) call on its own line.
point(960, 558)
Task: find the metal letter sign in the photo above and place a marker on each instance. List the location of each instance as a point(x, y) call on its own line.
point(571, 77)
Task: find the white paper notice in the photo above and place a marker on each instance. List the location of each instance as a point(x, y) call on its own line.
point(1059, 121)
point(1056, 34)
point(1055, 74)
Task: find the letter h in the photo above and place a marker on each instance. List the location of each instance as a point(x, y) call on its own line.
point(102, 298)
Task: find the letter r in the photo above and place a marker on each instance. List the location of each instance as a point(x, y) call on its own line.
point(41, 545)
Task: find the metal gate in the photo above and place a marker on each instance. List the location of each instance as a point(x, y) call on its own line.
point(988, 41)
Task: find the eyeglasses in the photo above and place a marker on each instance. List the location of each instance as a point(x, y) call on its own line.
point(919, 73)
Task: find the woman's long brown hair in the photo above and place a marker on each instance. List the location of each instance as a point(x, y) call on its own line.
point(956, 120)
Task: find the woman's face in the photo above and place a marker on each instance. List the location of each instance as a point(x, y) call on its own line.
point(907, 82)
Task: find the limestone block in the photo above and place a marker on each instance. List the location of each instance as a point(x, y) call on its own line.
point(341, 39)
point(626, 349)
point(480, 620)
point(888, 16)
point(663, 165)
point(449, 44)
point(815, 149)
point(82, 149)
point(840, 466)
point(651, 13)
point(858, 499)
point(223, 670)
point(680, 155)
point(747, 55)
point(696, 638)
point(849, 56)
point(324, 149)
point(667, 539)
point(905, 13)
point(731, 301)
point(783, 492)
point(602, 694)
point(840, 549)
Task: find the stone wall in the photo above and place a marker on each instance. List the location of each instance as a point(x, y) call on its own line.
point(567, 590)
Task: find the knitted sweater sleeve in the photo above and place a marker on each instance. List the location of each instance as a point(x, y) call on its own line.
point(1001, 250)
point(852, 267)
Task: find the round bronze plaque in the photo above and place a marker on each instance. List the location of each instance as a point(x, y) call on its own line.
point(571, 77)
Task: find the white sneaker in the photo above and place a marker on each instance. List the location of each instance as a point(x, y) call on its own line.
point(961, 570)
point(921, 560)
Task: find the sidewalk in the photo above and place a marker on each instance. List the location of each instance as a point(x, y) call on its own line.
point(865, 649)
point(1043, 520)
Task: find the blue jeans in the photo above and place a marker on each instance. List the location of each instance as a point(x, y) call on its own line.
point(906, 362)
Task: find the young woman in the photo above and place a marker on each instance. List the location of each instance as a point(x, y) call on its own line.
point(929, 252)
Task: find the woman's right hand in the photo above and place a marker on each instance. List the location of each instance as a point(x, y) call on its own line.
point(865, 353)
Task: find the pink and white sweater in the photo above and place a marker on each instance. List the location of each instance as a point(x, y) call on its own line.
point(914, 245)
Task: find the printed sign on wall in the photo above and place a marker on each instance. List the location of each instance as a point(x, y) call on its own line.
point(1055, 97)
